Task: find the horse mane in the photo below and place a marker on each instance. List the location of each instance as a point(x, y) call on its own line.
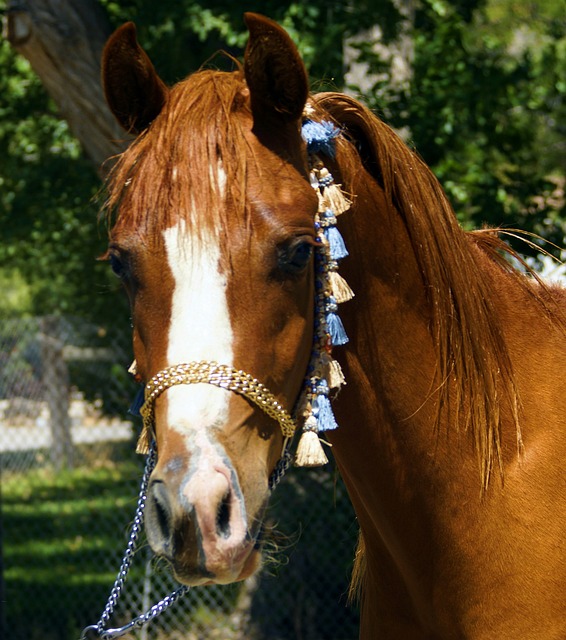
point(150, 186)
point(474, 371)
point(475, 375)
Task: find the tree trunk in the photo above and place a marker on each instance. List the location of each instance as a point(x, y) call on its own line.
point(396, 58)
point(57, 392)
point(63, 41)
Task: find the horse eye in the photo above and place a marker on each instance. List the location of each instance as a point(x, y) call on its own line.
point(117, 265)
point(295, 257)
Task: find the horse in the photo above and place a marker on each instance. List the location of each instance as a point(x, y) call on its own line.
point(451, 439)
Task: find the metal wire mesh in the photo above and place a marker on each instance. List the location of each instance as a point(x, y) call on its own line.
point(69, 494)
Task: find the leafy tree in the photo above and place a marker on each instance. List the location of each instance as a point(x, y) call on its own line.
point(483, 109)
point(48, 218)
point(485, 96)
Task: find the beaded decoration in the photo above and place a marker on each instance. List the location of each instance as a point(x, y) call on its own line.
point(324, 374)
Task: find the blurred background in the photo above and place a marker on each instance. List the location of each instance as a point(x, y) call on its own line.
point(477, 87)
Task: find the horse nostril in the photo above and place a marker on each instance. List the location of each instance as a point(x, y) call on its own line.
point(162, 519)
point(223, 517)
point(159, 515)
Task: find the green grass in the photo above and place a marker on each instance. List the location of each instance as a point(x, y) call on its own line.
point(65, 533)
point(60, 545)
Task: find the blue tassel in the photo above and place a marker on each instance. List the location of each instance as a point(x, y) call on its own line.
point(137, 404)
point(322, 411)
point(336, 329)
point(334, 324)
point(336, 243)
point(319, 136)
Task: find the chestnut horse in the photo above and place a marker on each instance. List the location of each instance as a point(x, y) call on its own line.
point(453, 418)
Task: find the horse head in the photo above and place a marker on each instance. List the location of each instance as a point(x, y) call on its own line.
point(212, 239)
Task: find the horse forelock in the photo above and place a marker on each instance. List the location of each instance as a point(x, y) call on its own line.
point(189, 163)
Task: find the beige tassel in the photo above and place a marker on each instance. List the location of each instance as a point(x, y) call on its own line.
point(133, 370)
point(304, 407)
point(143, 442)
point(309, 450)
point(340, 288)
point(332, 371)
point(335, 199)
point(322, 202)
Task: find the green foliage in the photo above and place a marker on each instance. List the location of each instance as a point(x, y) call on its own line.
point(16, 292)
point(485, 107)
point(180, 36)
point(48, 217)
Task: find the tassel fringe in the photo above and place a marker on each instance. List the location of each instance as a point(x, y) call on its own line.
point(309, 451)
point(325, 374)
point(143, 442)
point(336, 329)
point(331, 371)
point(335, 199)
point(322, 411)
point(335, 243)
point(341, 290)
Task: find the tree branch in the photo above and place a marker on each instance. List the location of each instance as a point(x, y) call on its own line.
point(63, 41)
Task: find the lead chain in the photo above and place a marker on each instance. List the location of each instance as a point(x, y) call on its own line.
point(99, 630)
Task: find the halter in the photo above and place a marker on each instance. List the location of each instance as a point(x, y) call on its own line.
point(324, 375)
point(221, 376)
point(227, 378)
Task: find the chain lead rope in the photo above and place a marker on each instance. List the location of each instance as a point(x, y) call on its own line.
point(99, 630)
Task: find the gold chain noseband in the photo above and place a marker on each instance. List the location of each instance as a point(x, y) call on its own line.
point(220, 375)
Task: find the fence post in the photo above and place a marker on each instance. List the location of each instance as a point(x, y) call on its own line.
point(56, 384)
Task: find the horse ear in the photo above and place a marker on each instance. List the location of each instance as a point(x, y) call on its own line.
point(275, 74)
point(134, 92)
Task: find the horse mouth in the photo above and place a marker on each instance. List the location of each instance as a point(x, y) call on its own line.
point(238, 567)
point(199, 556)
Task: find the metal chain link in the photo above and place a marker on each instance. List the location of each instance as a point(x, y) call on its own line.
point(134, 535)
point(99, 630)
point(142, 620)
point(281, 467)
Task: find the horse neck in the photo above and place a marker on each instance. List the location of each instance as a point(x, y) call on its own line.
point(431, 535)
point(389, 365)
point(425, 343)
point(391, 448)
point(390, 361)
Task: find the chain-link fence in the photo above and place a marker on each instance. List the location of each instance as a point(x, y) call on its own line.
point(69, 487)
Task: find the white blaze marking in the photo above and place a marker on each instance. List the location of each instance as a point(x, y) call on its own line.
point(200, 326)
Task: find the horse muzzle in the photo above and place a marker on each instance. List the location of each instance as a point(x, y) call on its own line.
point(198, 516)
point(197, 521)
